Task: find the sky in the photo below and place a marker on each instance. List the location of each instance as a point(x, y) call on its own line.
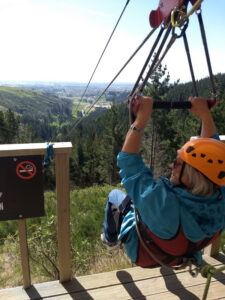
point(62, 40)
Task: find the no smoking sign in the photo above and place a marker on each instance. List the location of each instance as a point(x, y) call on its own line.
point(21, 187)
point(26, 170)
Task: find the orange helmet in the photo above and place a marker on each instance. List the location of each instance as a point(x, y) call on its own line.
point(207, 156)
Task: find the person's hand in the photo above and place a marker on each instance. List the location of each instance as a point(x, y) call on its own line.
point(199, 107)
point(144, 111)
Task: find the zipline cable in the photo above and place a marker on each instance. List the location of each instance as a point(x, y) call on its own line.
point(147, 61)
point(78, 105)
point(131, 57)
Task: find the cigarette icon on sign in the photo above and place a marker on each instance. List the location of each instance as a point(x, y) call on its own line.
point(26, 170)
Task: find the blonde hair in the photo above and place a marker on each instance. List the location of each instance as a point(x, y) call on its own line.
point(198, 183)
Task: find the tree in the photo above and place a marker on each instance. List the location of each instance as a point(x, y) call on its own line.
point(152, 149)
point(96, 143)
point(167, 130)
point(9, 127)
point(2, 128)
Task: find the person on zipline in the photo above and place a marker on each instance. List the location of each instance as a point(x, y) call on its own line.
point(176, 217)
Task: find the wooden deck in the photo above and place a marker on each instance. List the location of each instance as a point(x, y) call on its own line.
point(133, 283)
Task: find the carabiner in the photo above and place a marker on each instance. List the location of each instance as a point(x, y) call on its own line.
point(182, 19)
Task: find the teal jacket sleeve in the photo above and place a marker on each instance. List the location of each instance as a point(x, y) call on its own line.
point(155, 201)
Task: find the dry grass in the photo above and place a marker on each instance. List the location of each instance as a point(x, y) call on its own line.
point(103, 261)
point(110, 261)
point(10, 270)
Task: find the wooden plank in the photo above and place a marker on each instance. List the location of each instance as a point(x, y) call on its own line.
point(173, 287)
point(118, 284)
point(195, 292)
point(17, 293)
point(214, 248)
point(24, 253)
point(7, 150)
point(63, 215)
point(216, 292)
point(131, 274)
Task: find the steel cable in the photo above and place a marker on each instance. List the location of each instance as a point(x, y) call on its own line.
point(114, 78)
point(92, 75)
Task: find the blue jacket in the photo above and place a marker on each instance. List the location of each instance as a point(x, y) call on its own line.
point(164, 207)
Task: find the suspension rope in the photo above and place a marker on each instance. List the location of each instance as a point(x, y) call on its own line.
point(115, 77)
point(183, 22)
point(207, 53)
point(155, 59)
point(92, 75)
point(207, 272)
point(170, 44)
point(190, 64)
point(145, 80)
point(147, 60)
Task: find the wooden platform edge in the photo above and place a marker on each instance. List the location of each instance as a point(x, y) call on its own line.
point(7, 150)
point(85, 286)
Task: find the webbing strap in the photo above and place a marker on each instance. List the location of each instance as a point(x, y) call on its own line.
point(125, 202)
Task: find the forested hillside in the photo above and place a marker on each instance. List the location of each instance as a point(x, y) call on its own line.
point(32, 102)
point(34, 116)
point(39, 116)
point(97, 142)
point(93, 172)
point(182, 91)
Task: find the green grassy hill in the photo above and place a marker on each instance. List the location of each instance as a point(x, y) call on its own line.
point(32, 102)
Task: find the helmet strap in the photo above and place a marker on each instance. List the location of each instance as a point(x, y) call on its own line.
point(181, 184)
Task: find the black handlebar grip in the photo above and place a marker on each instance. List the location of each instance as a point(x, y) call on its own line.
point(172, 104)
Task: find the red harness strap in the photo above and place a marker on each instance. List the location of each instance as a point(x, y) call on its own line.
point(171, 251)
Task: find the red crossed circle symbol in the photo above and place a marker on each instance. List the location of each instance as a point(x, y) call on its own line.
point(26, 170)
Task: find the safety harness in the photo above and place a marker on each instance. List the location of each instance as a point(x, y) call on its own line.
point(176, 253)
